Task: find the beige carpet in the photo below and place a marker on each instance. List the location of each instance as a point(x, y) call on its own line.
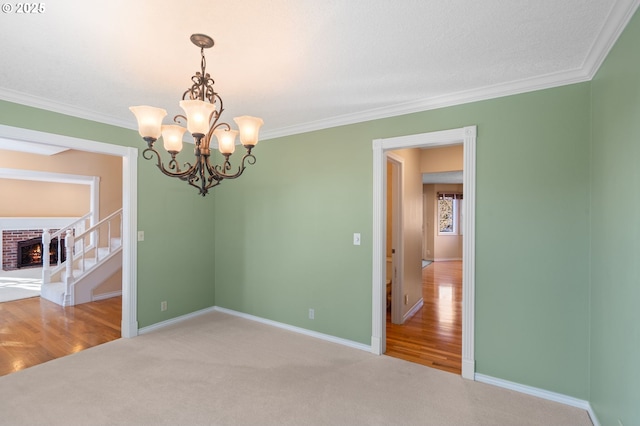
point(217, 369)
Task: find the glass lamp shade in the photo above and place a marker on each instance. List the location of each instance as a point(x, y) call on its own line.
point(249, 128)
point(172, 135)
point(198, 115)
point(226, 140)
point(149, 120)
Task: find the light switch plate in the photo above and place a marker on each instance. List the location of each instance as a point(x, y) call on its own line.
point(356, 239)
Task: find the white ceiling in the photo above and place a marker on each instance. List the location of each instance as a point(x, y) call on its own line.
point(300, 64)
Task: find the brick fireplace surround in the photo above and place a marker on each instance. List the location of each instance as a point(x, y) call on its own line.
point(10, 241)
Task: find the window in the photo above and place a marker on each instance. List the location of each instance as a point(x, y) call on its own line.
point(449, 214)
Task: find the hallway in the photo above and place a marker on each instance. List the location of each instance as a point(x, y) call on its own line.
point(433, 336)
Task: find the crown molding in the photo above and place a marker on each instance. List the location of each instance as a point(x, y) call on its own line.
point(62, 108)
point(618, 18)
point(459, 98)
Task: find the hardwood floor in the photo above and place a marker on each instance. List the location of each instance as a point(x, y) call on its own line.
point(433, 336)
point(34, 330)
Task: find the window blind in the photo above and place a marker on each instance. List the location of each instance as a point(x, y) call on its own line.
point(449, 196)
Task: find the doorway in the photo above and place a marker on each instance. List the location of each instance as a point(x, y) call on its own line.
point(129, 326)
point(466, 136)
point(394, 271)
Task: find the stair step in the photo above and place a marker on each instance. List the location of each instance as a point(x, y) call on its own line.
point(54, 292)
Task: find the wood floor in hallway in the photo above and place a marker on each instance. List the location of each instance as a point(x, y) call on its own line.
point(433, 336)
point(35, 330)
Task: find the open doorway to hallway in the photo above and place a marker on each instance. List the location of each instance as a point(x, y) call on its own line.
point(427, 229)
point(466, 136)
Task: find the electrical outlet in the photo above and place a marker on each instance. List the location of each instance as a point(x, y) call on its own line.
point(163, 305)
point(312, 314)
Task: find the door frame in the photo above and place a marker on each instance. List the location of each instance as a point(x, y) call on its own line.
point(129, 326)
point(397, 236)
point(466, 136)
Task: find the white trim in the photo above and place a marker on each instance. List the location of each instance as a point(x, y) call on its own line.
point(26, 174)
point(171, 321)
point(459, 98)
point(31, 148)
point(615, 23)
point(62, 108)
point(447, 259)
point(413, 310)
point(18, 223)
point(466, 136)
point(129, 243)
point(299, 330)
point(378, 295)
point(540, 393)
point(103, 296)
point(129, 207)
point(469, 253)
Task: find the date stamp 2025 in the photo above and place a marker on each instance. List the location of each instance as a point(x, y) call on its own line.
point(23, 8)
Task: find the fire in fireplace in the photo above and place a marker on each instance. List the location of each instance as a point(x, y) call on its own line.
point(30, 252)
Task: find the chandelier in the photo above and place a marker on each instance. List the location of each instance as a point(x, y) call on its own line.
point(203, 107)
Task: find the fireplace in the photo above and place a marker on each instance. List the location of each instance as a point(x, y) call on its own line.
point(30, 252)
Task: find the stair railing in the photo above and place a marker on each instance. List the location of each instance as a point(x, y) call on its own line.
point(89, 241)
point(47, 237)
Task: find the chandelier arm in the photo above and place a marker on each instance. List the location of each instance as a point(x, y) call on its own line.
point(148, 153)
point(218, 170)
point(216, 116)
point(180, 119)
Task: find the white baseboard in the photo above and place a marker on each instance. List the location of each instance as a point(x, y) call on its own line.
point(446, 259)
point(413, 310)
point(172, 321)
point(327, 337)
point(300, 330)
point(103, 296)
point(540, 393)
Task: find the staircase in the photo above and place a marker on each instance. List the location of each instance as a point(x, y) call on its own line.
point(92, 256)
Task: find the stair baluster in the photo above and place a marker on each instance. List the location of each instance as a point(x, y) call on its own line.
point(46, 260)
point(68, 276)
point(83, 255)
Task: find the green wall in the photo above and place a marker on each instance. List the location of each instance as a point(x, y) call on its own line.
point(556, 242)
point(284, 232)
point(170, 266)
point(615, 252)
